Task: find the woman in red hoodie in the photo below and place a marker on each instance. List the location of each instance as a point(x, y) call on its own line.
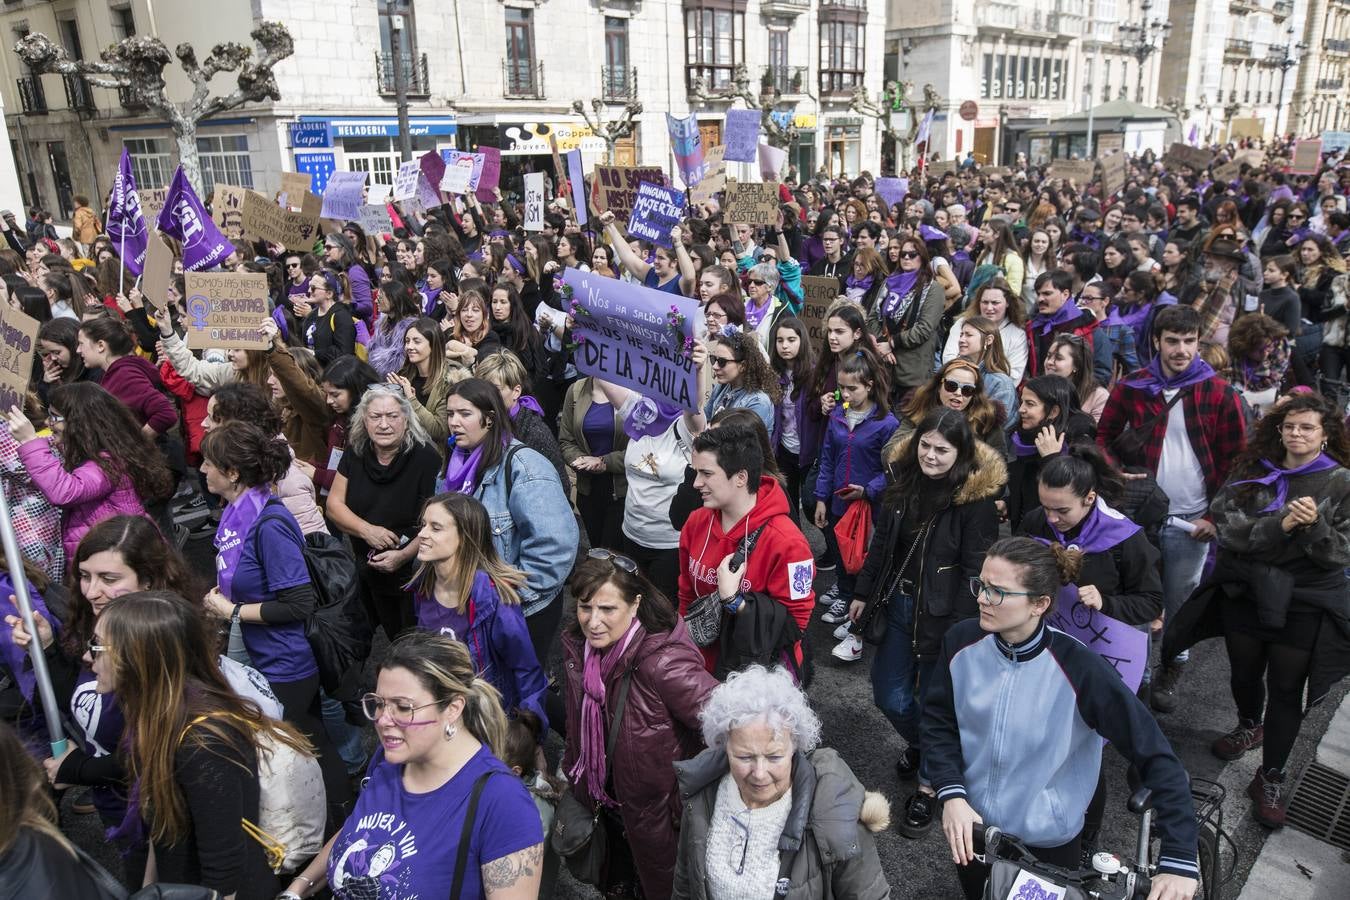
point(108, 344)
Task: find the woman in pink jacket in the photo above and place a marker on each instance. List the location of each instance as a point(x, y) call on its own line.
point(98, 462)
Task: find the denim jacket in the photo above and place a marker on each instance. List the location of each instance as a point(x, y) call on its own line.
point(533, 526)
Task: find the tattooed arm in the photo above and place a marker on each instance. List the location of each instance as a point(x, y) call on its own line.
point(516, 876)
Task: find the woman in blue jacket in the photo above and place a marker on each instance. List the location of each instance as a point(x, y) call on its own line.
point(741, 375)
point(1010, 695)
point(533, 527)
point(463, 590)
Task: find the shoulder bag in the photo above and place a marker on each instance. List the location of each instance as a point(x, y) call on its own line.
point(466, 836)
point(1130, 443)
point(872, 623)
point(704, 615)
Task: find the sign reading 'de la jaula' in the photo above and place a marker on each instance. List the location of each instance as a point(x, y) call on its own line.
point(224, 310)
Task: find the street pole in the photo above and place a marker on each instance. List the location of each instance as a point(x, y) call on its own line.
point(400, 80)
point(1279, 100)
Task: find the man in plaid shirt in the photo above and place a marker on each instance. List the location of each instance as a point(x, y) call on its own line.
point(1190, 445)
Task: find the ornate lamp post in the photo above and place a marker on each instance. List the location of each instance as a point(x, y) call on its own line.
point(1143, 40)
point(1290, 53)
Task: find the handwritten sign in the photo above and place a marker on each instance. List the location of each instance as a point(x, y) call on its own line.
point(616, 187)
point(741, 135)
point(1181, 155)
point(227, 208)
point(534, 201)
point(752, 204)
point(1113, 173)
point(1079, 171)
point(1227, 172)
point(18, 342)
point(157, 273)
point(657, 210)
point(152, 202)
point(294, 186)
point(1123, 646)
point(375, 219)
point(405, 180)
point(462, 171)
point(342, 197)
point(714, 179)
point(1307, 157)
point(1109, 143)
point(626, 335)
point(818, 293)
point(224, 309)
point(1246, 127)
point(292, 230)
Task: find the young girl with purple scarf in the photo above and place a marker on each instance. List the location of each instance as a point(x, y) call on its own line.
point(1049, 421)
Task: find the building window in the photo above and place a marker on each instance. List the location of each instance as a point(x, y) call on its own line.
point(380, 156)
point(714, 41)
point(616, 57)
point(1017, 76)
point(123, 22)
point(151, 165)
point(520, 51)
point(407, 38)
point(841, 56)
point(224, 160)
point(843, 150)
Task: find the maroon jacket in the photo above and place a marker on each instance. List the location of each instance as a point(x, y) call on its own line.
point(660, 725)
point(136, 382)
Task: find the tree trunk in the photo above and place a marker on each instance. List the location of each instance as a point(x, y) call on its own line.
point(186, 135)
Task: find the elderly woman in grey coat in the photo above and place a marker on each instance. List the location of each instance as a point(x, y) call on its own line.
point(762, 783)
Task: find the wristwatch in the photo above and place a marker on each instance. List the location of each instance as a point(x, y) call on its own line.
point(289, 895)
point(734, 604)
point(234, 615)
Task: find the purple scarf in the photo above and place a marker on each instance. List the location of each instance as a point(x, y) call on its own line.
point(899, 287)
point(431, 302)
point(526, 402)
point(1021, 448)
point(754, 316)
point(597, 667)
point(1133, 318)
point(856, 288)
point(461, 472)
point(1102, 529)
point(1067, 313)
point(235, 523)
point(1280, 477)
point(12, 655)
point(1152, 380)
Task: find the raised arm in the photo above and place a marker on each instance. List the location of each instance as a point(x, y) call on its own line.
point(637, 266)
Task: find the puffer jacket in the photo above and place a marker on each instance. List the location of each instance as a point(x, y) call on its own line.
point(85, 495)
point(953, 551)
point(660, 726)
point(830, 825)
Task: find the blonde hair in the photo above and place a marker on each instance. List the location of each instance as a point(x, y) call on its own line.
point(504, 369)
point(442, 665)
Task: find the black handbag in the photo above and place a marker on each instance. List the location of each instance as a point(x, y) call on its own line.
point(704, 615)
point(872, 623)
point(1129, 445)
point(579, 836)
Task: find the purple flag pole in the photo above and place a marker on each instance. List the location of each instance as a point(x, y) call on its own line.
point(122, 270)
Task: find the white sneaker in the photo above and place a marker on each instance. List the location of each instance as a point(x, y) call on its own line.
point(842, 631)
point(838, 611)
point(828, 598)
point(850, 649)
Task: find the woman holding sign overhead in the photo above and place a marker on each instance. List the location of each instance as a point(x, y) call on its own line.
point(672, 270)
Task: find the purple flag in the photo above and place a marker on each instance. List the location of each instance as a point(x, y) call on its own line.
point(185, 220)
point(126, 222)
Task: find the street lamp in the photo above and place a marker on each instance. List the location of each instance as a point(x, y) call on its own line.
point(1143, 40)
point(1289, 54)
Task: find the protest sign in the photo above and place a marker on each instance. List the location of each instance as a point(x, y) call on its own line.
point(18, 342)
point(751, 203)
point(818, 292)
point(227, 205)
point(292, 230)
point(1246, 127)
point(1080, 171)
point(635, 337)
point(577, 180)
point(1251, 157)
point(158, 272)
point(892, 190)
point(616, 187)
point(1109, 143)
point(740, 135)
point(1307, 157)
point(405, 181)
point(771, 160)
point(342, 198)
point(433, 167)
point(152, 202)
point(1123, 646)
point(224, 309)
point(1113, 172)
point(462, 171)
point(687, 143)
point(295, 185)
point(378, 194)
point(714, 179)
point(534, 201)
point(656, 211)
point(428, 193)
point(375, 219)
point(1180, 155)
point(1227, 172)
point(1335, 141)
point(491, 175)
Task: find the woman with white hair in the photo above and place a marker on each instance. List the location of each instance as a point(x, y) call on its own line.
point(762, 782)
point(761, 306)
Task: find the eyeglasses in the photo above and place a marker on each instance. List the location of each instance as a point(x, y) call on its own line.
point(621, 562)
point(1297, 217)
point(292, 265)
point(719, 362)
point(400, 711)
point(742, 838)
point(755, 281)
point(909, 254)
point(994, 595)
point(95, 649)
point(55, 418)
point(957, 387)
point(1295, 428)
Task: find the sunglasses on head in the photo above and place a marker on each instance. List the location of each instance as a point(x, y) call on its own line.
point(621, 562)
point(957, 387)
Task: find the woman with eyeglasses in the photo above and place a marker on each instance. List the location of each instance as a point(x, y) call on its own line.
point(1049, 419)
point(998, 679)
point(1068, 358)
point(904, 323)
point(1278, 593)
point(437, 780)
point(959, 386)
point(741, 376)
point(635, 684)
point(328, 327)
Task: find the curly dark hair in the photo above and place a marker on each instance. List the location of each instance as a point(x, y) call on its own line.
point(1250, 335)
point(239, 401)
point(756, 374)
point(1266, 443)
point(100, 429)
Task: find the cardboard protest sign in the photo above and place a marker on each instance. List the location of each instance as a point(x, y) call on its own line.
point(375, 219)
point(491, 175)
point(296, 184)
point(1109, 143)
point(1123, 646)
point(1182, 155)
point(714, 179)
point(1227, 172)
point(752, 203)
point(740, 135)
point(405, 181)
point(224, 309)
point(158, 273)
point(616, 187)
point(771, 161)
point(577, 180)
point(1307, 157)
point(152, 202)
point(635, 337)
point(1113, 172)
point(462, 171)
point(18, 342)
point(657, 210)
point(1251, 157)
point(292, 230)
point(818, 292)
point(1079, 171)
point(1246, 127)
point(892, 190)
point(342, 198)
point(227, 205)
point(534, 201)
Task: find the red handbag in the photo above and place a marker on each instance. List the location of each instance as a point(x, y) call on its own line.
point(853, 531)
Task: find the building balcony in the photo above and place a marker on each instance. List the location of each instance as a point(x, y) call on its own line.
point(786, 9)
point(522, 79)
point(839, 83)
point(414, 75)
point(1337, 46)
point(32, 98)
point(1330, 84)
point(1005, 16)
point(618, 84)
point(129, 101)
point(1282, 10)
point(843, 4)
point(1237, 47)
point(78, 95)
point(783, 79)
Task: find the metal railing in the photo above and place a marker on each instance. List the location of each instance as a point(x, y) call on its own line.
point(32, 98)
point(784, 79)
point(618, 83)
point(836, 82)
point(1237, 47)
point(414, 74)
point(1336, 46)
point(78, 95)
point(1330, 84)
point(522, 80)
point(846, 4)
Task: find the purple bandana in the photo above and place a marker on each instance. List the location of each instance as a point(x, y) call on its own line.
point(1067, 313)
point(1102, 529)
point(431, 302)
point(526, 402)
point(856, 288)
point(1133, 317)
point(1152, 380)
point(461, 473)
point(235, 522)
point(899, 287)
point(1280, 477)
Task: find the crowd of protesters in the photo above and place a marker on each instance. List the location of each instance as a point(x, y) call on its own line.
point(1026, 391)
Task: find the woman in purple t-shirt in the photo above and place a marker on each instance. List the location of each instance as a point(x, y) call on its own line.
point(441, 731)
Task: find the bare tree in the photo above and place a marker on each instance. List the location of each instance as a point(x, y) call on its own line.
point(896, 99)
point(613, 130)
point(136, 65)
point(776, 134)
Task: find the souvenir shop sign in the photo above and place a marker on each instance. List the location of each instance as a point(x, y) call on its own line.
point(224, 310)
